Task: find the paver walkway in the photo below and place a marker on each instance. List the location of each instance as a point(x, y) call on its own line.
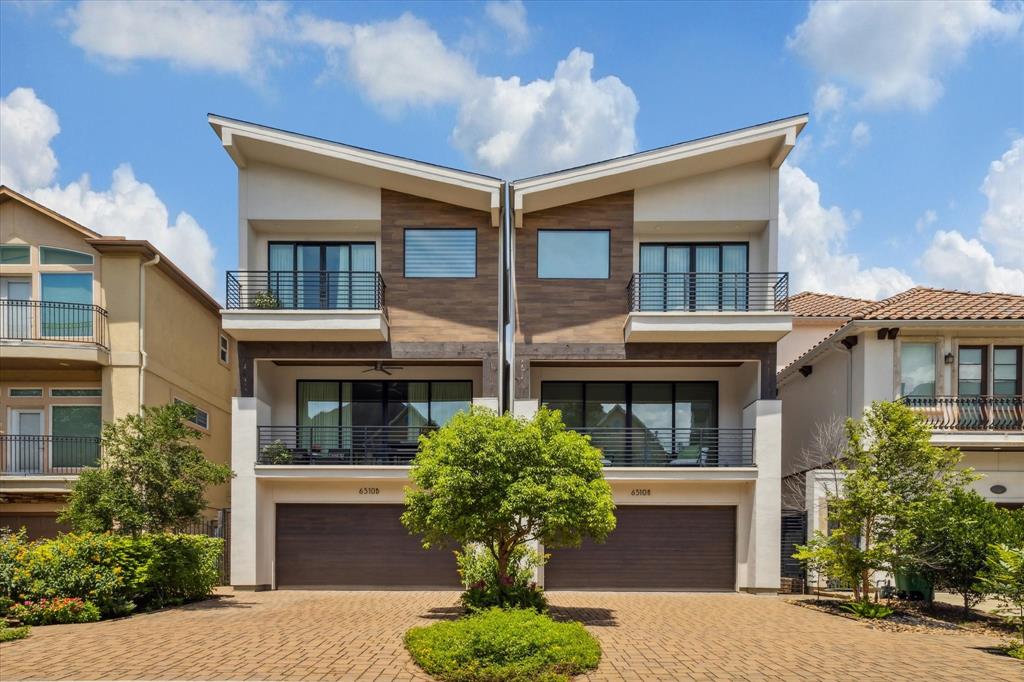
point(358, 635)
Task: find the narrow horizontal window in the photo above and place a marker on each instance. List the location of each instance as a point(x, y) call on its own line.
point(201, 418)
point(14, 254)
point(440, 253)
point(25, 393)
point(49, 255)
point(573, 254)
point(76, 392)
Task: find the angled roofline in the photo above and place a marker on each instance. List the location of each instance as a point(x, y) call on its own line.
point(8, 194)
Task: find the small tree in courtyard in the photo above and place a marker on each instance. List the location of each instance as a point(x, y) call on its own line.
point(1003, 577)
point(152, 475)
point(501, 482)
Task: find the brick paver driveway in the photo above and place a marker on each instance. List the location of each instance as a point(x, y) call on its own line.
point(357, 635)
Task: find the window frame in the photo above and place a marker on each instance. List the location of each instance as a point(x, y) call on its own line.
point(50, 422)
point(28, 247)
point(224, 349)
point(692, 248)
point(629, 397)
point(541, 231)
point(938, 378)
point(323, 253)
point(1019, 350)
point(986, 359)
point(11, 389)
point(405, 251)
point(43, 263)
point(198, 410)
point(384, 391)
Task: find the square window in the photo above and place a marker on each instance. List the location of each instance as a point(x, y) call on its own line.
point(440, 253)
point(573, 254)
point(14, 254)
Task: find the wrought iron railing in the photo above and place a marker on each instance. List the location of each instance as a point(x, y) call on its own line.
point(970, 412)
point(368, 445)
point(38, 455)
point(51, 321)
point(304, 290)
point(708, 291)
point(686, 447)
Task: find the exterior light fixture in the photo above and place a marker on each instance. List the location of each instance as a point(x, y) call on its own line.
point(949, 358)
point(998, 489)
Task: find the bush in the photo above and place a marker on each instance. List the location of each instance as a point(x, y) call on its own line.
point(10, 634)
point(503, 646)
point(486, 589)
point(868, 609)
point(178, 568)
point(275, 453)
point(265, 300)
point(59, 611)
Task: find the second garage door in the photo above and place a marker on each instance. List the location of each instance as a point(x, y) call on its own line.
point(355, 546)
point(654, 548)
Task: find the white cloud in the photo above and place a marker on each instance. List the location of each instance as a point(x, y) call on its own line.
point(1003, 222)
point(129, 207)
point(511, 18)
point(895, 53)
point(860, 135)
point(960, 263)
point(520, 129)
point(928, 218)
point(814, 248)
point(27, 125)
point(828, 99)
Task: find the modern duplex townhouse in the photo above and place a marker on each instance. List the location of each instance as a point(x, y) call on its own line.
point(377, 296)
point(953, 356)
point(91, 329)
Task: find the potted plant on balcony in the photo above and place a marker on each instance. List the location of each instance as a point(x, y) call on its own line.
point(275, 453)
point(265, 300)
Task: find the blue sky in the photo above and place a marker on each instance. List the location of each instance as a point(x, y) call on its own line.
point(910, 172)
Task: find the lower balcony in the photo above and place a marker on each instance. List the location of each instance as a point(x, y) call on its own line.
point(47, 455)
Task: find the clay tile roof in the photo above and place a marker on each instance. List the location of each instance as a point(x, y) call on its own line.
point(812, 304)
point(924, 303)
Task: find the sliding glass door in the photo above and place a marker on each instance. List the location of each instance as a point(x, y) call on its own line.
point(693, 277)
point(323, 276)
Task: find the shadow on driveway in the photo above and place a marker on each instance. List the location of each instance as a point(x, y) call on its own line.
point(588, 615)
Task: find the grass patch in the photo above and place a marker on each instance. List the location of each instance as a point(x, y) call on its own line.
point(503, 646)
point(1015, 650)
point(10, 634)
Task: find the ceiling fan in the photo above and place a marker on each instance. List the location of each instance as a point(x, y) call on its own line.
point(380, 366)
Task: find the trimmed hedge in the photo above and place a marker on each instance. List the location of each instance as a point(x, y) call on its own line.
point(118, 573)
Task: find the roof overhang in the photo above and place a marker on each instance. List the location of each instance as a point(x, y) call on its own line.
point(769, 142)
point(249, 143)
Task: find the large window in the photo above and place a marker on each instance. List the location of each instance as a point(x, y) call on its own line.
point(323, 275)
point(693, 277)
point(72, 320)
point(75, 429)
point(573, 254)
point(917, 369)
point(440, 253)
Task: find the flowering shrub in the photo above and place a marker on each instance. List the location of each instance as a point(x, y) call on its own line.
point(59, 611)
point(485, 588)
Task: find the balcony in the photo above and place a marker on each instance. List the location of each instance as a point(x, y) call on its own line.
point(970, 413)
point(307, 305)
point(683, 447)
point(47, 455)
point(36, 334)
point(338, 445)
point(707, 307)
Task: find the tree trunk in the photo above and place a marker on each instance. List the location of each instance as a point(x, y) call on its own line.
point(503, 559)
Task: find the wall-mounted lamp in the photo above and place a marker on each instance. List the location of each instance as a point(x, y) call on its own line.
point(949, 358)
point(806, 370)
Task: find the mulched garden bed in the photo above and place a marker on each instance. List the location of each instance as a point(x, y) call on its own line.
point(917, 617)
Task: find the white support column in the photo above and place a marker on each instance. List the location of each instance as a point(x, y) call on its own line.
point(765, 543)
point(246, 569)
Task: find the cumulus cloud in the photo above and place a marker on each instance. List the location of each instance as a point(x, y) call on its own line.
point(510, 17)
point(895, 53)
point(960, 263)
point(815, 250)
point(1003, 222)
point(129, 207)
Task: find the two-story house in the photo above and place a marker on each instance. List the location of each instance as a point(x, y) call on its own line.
point(91, 329)
point(953, 356)
point(377, 296)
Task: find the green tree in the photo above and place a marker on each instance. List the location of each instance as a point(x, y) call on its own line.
point(502, 481)
point(952, 539)
point(889, 471)
point(152, 475)
point(1003, 577)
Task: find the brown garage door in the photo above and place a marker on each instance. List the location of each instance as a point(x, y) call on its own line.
point(356, 546)
point(36, 524)
point(654, 548)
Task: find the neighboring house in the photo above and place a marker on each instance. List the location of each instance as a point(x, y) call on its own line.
point(639, 296)
point(953, 356)
point(88, 324)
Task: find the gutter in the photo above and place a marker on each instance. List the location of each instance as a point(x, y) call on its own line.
point(142, 327)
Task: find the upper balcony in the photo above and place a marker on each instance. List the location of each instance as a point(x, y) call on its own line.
point(36, 334)
point(707, 307)
point(966, 420)
point(305, 305)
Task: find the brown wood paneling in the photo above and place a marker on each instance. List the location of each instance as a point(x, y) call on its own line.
point(438, 309)
point(355, 546)
point(36, 524)
point(575, 310)
point(654, 548)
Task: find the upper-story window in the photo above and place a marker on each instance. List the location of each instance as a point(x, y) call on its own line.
point(15, 254)
point(322, 275)
point(971, 378)
point(573, 254)
point(50, 255)
point(440, 253)
point(917, 369)
point(703, 276)
point(1006, 371)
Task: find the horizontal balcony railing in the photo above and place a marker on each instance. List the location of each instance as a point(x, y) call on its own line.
point(51, 321)
point(47, 455)
point(304, 290)
point(970, 412)
point(664, 292)
point(365, 445)
point(686, 447)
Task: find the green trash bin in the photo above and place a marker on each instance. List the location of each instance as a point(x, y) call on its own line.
point(913, 586)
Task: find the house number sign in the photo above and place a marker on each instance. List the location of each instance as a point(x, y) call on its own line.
point(640, 492)
point(369, 491)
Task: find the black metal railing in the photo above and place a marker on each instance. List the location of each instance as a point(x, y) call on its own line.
point(369, 445)
point(304, 290)
point(35, 455)
point(970, 412)
point(52, 321)
point(708, 291)
point(687, 447)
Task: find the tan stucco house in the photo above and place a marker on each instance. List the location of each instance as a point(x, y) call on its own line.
point(92, 328)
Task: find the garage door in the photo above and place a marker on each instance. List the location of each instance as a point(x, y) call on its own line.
point(654, 548)
point(36, 524)
point(355, 546)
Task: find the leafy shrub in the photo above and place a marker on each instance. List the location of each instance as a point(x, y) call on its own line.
point(868, 609)
point(10, 634)
point(503, 646)
point(59, 611)
point(265, 300)
point(275, 453)
point(1016, 651)
point(486, 589)
point(178, 568)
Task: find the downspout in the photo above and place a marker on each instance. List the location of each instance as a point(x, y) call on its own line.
point(142, 327)
point(508, 334)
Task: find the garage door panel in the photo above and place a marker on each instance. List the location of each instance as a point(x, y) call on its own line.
point(355, 545)
point(654, 548)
